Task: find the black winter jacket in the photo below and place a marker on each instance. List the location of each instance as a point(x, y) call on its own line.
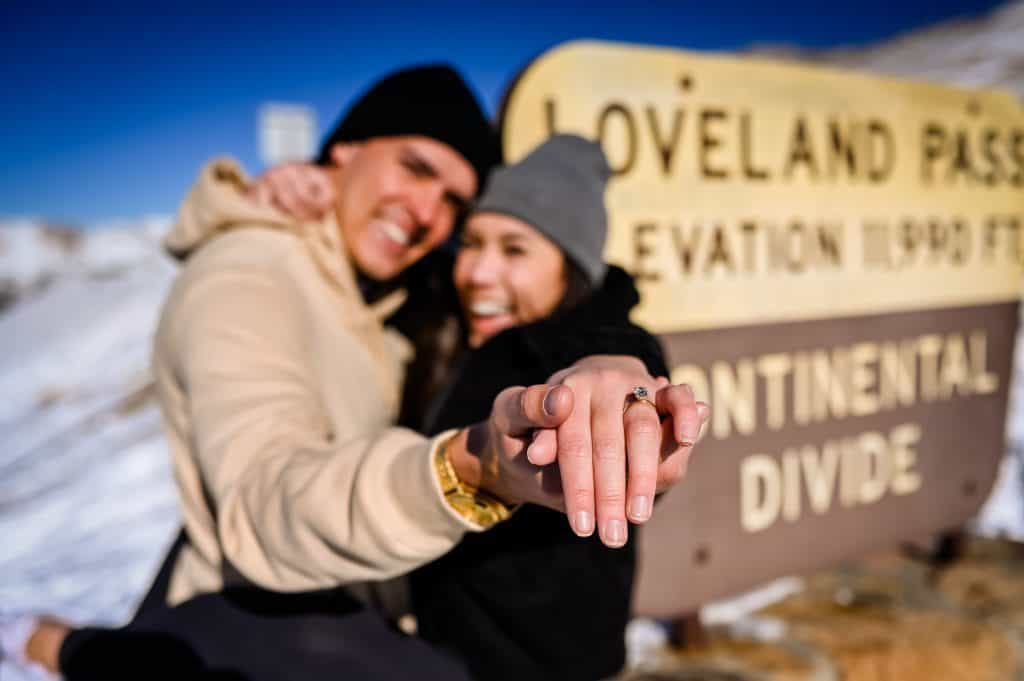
point(529, 599)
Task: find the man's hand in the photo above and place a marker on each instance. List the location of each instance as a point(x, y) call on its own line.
point(491, 455)
point(300, 190)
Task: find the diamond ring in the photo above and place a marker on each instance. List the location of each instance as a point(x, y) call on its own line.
point(640, 395)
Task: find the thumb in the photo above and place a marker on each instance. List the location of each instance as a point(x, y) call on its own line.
point(519, 410)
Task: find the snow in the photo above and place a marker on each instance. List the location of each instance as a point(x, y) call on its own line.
point(33, 253)
point(983, 52)
point(87, 500)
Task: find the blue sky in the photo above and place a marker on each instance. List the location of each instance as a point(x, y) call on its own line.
point(109, 110)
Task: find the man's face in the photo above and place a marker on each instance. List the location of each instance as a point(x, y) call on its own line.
point(398, 199)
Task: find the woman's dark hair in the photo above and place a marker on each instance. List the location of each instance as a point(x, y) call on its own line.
point(431, 318)
point(577, 287)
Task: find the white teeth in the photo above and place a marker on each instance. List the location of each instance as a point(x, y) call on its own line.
point(488, 308)
point(394, 232)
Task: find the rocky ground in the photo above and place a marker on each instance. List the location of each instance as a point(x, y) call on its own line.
point(890, 617)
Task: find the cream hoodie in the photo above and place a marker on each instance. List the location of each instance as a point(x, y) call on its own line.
point(279, 386)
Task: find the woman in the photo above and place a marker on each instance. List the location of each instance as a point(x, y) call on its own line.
point(533, 296)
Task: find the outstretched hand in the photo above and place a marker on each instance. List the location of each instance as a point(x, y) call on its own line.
point(615, 452)
point(611, 460)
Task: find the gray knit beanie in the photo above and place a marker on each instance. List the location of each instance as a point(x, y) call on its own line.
point(558, 188)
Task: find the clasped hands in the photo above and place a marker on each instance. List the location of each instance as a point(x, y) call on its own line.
point(571, 444)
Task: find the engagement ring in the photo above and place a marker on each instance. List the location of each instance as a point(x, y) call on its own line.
point(640, 395)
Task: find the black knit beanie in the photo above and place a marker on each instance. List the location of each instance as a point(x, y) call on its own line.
point(433, 101)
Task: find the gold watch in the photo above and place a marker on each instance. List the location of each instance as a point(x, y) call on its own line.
point(476, 506)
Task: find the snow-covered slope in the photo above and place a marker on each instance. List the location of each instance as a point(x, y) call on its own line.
point(987, 51)
point(87, 502)
point(33, 254)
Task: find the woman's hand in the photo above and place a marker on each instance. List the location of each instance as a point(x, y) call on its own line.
point(300, 190)
point(611, 463)
point(613, 460)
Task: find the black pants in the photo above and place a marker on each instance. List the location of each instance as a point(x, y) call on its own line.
point(252, 635)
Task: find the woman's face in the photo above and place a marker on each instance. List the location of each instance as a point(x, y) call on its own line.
point(506, 273)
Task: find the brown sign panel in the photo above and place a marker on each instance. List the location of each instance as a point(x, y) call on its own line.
point(833, 261)
point(900, 431)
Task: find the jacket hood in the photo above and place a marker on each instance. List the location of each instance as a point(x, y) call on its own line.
point(216, 203)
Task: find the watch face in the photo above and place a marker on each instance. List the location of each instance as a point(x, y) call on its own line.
point(466, 504)
point(474, 509)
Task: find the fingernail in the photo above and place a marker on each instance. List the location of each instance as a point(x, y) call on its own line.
point(615, 533)
point(685, 443)
point(529, 455)
point(583, 523)
point(639, 508)
point(549, 403)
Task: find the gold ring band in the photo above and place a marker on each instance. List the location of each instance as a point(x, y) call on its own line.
point(633, 401)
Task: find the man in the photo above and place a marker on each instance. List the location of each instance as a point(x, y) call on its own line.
point(279, 385)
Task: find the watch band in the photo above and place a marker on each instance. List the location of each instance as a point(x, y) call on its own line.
point(476, 506)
